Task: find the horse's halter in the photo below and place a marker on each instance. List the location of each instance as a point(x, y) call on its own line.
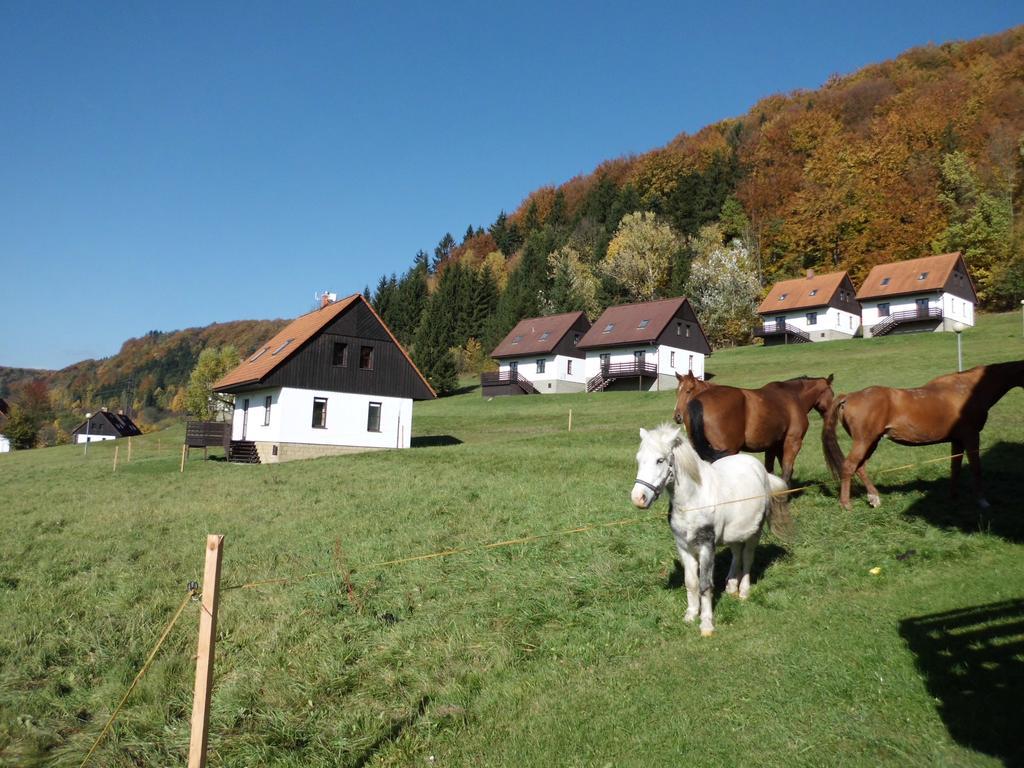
point(657, 491)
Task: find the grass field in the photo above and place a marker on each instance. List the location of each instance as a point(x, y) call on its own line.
point(566, 650)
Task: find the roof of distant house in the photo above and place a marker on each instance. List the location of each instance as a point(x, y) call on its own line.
point(930, 273)
point(802, 293)
point(119, 422)
point(639, 323)
point(536, 335)
point(289, 340)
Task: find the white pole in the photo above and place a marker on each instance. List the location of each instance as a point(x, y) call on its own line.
point(88, 419)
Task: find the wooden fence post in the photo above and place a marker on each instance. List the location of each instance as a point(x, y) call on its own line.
point(129, 448)
point(204, 654)
point(183, 449)
point(116, 449)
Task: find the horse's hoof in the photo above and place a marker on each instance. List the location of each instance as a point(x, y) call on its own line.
point(874, 500)
point(688, 618)
point(983, 503)
point(707, 632)
point(743, 595)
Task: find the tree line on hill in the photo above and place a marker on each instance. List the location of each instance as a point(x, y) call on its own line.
point(922, 154)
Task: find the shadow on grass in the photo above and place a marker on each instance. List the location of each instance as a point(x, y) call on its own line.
point(765, 555)
point(1003, 488)
point(972, 663)
point(434, 441)
point(392, 734)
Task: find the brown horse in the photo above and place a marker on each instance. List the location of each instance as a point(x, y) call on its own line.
point(723, 420)
point(950, 409)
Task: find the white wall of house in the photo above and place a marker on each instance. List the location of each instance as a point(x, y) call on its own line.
point(561, 372)
point(5, 444)
point(291, 418)
point(669, 361)
point(83, 438)
point(830, 321)
point(954, 309)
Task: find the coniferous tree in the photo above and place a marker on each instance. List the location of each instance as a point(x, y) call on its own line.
point(443, 250)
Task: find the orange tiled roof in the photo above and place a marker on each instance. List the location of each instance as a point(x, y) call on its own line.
point(290, 339)
point(796, 294)
point(902, 277)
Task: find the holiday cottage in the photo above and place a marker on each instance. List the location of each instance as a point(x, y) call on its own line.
point(811, 308)
point(104, 425)
point(334, 380)
point(934, 293)
point(644, 346)
point(539, 355)
point(5, 444)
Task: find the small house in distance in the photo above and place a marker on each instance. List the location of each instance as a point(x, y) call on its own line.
point(932, 293)
point(539, 355)
point(5, 410)
point(104, 425)
point(811, 308)
point(644, 346)
point(334, 380)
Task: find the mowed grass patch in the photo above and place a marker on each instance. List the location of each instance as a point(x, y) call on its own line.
point(565, 649)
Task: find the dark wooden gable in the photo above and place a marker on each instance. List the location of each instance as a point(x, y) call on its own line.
point(674, 334)
point(566, 345)
point(959, 282)
point(851, 304)
point(312, 366)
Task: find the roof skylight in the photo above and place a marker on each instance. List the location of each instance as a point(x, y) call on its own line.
point(258, 355)
point(285, 344)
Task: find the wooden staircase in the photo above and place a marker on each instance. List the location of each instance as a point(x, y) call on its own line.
point(243, 452)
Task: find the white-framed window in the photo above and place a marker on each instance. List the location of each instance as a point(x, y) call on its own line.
point(373, 418)
point(812, 318)
point(320, 413)
point(540, 365)
point(266, 410)
point(672, 359)
point(568, 368)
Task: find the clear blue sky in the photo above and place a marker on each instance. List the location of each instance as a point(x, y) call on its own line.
point(167, 165)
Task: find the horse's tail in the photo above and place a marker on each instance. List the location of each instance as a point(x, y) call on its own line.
point(779, 519)
point(829, 443)
point(699, 438)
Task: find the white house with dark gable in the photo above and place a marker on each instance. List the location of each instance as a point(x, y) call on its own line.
point(811, 308)
point(333, 381)
point(643, 346)
point(933, 293)
point(539, 355)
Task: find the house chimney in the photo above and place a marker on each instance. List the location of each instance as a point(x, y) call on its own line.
point(103, 408)
point(325, 299)
point(810, 274)
point(120, 411)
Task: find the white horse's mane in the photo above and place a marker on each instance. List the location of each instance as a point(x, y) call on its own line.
point(668, 438)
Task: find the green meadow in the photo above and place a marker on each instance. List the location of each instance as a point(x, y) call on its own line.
point(890, 636)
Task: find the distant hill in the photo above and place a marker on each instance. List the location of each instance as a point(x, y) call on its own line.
point(145, 374)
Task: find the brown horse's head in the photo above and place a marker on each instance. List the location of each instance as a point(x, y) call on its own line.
point(824, 394)
point(688, 388)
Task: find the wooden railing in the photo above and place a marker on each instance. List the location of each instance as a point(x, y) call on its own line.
point(775, 328)
point(611, 371)
point(200, 434)
point(504, 378)
point(908, 316)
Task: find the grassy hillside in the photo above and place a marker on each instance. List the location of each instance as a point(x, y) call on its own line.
point(564, 650)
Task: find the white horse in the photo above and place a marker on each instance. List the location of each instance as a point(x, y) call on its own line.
point(726, 502)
